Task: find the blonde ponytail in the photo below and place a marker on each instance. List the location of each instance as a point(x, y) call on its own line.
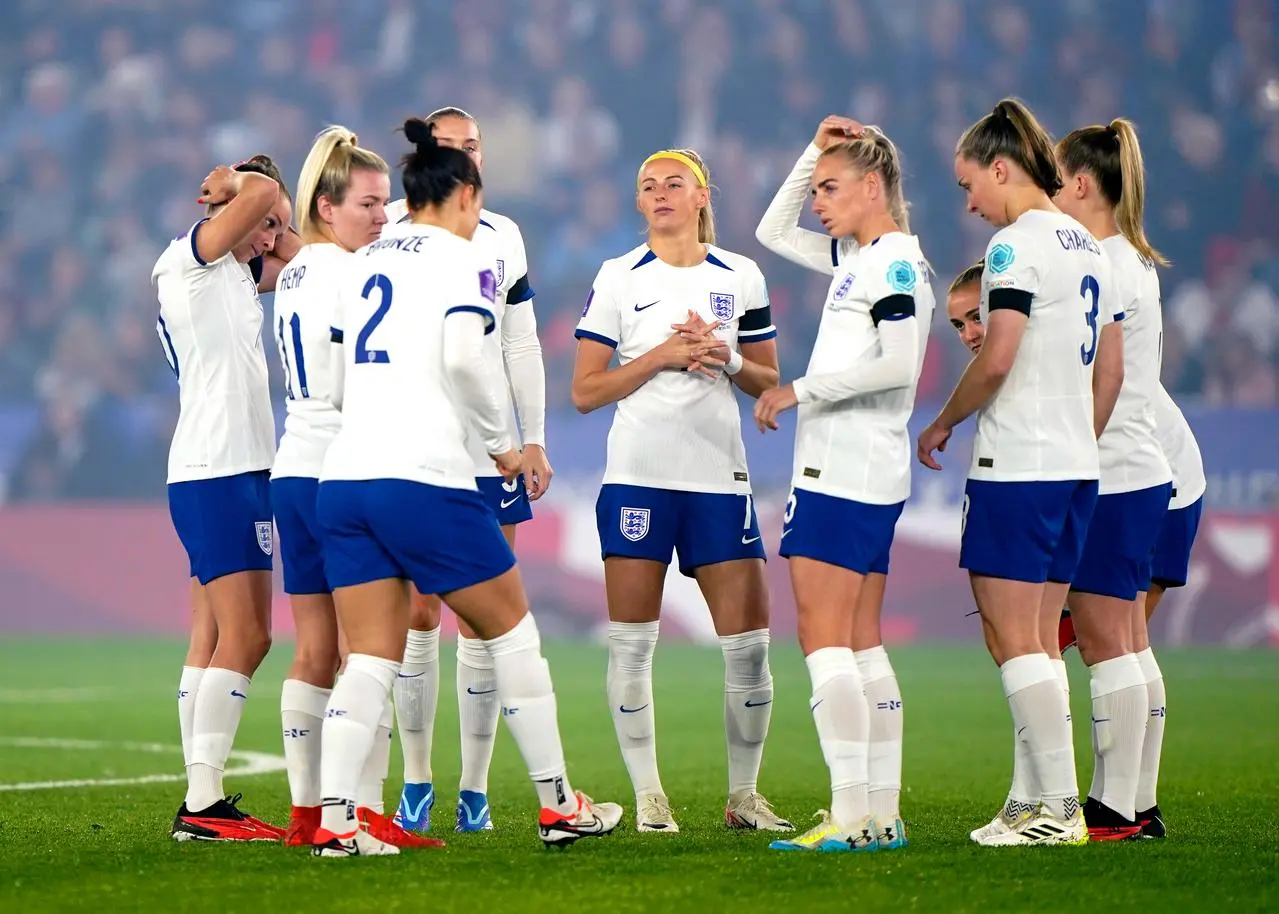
point(1131, 206)
point(327, 173)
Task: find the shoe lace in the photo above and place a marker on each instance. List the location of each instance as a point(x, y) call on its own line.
point(232, 802)
point(823, 826)
point(756, 803)
point(656, 808)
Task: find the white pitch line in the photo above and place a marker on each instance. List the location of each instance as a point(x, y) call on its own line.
point(254, 762)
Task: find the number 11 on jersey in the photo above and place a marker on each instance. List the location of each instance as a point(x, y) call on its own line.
point(295, 372)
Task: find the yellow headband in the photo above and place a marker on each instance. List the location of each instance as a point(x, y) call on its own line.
point(677, 156)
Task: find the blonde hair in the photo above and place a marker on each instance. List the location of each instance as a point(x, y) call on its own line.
point(970, 275)
point(1011, 131)
point(706, 215)
point(327, 173)
point(874, 151)
point(1112, 155)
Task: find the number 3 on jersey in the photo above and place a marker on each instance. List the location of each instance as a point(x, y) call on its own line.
point(363, 354)
point(1090, 288)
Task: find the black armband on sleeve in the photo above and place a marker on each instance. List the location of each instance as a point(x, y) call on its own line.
point(520, 291)
point(893, 308)
point(755, 320)
point(1012, 299)
point(255, 267)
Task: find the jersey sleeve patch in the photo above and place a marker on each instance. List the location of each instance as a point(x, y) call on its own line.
point(1011, 300)
point(520, 291)
point(489, 321)
point(1000, 257)
point(488, 286)
point(901, 277)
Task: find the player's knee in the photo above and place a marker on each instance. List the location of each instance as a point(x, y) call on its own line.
point(425, 611)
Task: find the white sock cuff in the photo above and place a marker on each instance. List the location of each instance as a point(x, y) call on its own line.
point(744, 641)
point(631, 646)
point(1115, 675)
point(472, 652)
point(1025, 671)
point(828, 663)
point(378, 669)
point(1149, 666)
point(422, 647)
point(191, 676)
point(523, 637)
point(874, 663)
point(296, 695)
point(1059, 667)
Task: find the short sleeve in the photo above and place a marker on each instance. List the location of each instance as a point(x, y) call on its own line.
point(194, 260)
point(473, 290)
point(343, 277)
point(1117, 294)
point(601, 320)
point(1012, 262)
point(756, 323)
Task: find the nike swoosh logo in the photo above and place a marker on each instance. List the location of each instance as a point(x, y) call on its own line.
point(646, 307)
point(747, 542)
point(813, 706)
point(235, 694)
point(758, 704)
point(471, 691)
point(506, 504)
point(787, 532)
point(626, 710)
point(412, 675)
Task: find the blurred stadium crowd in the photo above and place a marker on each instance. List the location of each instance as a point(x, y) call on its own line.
point(111, 111)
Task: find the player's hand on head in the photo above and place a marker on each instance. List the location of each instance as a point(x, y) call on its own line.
point(836, 129)
point(537, 471)
point(219, 186)
point(772, 403)
point(509, 464)
point(933, 438)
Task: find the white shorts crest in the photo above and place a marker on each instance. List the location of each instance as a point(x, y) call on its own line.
point(634, 523)
point(263, 528)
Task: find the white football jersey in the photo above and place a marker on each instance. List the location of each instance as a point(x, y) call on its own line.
point(1039, 425)
point(1182, 450)
point(305, 299)
point(400, 417)
point(1131, 458)
point(498, 240)
point(679, 430)
point(859, 448)
point(210, 328)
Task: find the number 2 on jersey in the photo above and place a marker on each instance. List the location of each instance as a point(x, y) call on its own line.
point(364, 354)
point(297, 370)
point(1090, 287)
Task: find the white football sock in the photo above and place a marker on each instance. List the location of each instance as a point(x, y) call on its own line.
point(302, 708)
point(1039, 709)
point(417, 693)
point(748, 706)
point(350, 728)
point(188, 685)
point(1119, 713)
point(219, 702)
point(528, 704)
point(371, 792)
point(839, 710)
point(629, 684)
point(478, 708)
point(884, 701)
point(1153, 747)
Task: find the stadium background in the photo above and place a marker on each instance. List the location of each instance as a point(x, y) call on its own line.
point(112, 110)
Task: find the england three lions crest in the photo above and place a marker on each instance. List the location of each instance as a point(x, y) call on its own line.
point(722, 306)
point(634, 523)
point(263, 528)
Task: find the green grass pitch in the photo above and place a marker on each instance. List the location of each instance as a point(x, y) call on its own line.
point(106, 848)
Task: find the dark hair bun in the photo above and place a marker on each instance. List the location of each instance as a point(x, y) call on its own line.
point(419, 133)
